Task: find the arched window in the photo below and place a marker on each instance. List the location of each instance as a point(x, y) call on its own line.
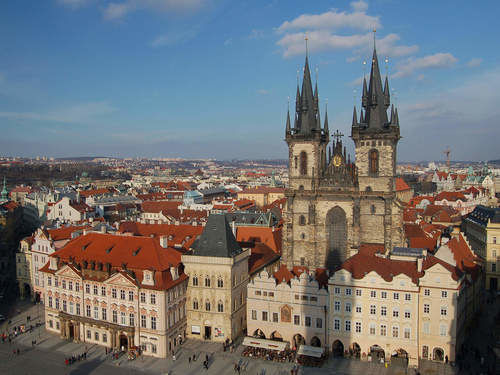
point(336, 231)
point(303, 163)
point(368, 188)
point(207, 281)
point(373, 162)
point(220, 283)
point(195, 304)
point(301, 188)
point(195, 281)
point(220, 306)
point(207, 305)
point(302, 220)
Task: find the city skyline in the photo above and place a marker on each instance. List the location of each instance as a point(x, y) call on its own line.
point(84, 77)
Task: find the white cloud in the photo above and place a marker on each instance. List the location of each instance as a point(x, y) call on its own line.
point(80, 113)
point(174, 38)
point(438, 60)
point(332, 20)
point(114, 11)
point(323, 40)
point(474, 62)
point(359, 6)
point(262, 92)
point(256, 34)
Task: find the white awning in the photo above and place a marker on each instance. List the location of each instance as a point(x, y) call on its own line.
point(265, 344)
point(310, 351)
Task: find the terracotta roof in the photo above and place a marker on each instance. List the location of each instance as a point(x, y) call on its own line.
point(278, 203)
point(244, 203)
point(416, 200)
point(450, 196)
point(81, 207)
point(180, 233)
point(64, 233)
point(159, 206)
point(10, 206)
point(401, 184)
point(254, 234)
point(285, 275)
point(262, 190)
point(21, 189)
point(261, 255)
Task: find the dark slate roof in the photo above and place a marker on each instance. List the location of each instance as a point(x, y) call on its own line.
point(482, 214)
point(217, 239)
point(408, 251)
point(212, 191)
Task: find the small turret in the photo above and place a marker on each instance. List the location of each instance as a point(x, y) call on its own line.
point(354, 117)
point(364, 97)
point(288, 130)
point(326, 129)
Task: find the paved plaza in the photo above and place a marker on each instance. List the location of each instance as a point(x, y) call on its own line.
point(49, 353)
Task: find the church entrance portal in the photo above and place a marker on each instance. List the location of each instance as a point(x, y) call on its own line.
point(123, 342)
point(71, 331)
point(336, 231)
point(208, 333)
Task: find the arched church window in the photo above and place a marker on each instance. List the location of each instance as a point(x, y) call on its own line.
point(303, 236)
point(373, 162)
point(368, 188)
point(302, 220)
point(372, 209)
point(303, 163)
point(301, 188)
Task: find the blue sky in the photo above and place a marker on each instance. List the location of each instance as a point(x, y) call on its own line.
point(211, 78)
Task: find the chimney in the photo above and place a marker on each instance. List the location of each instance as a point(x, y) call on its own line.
point(164, 241)
point(419, 264)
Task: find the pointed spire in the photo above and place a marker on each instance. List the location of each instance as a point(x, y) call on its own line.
point(396, 117)
point(288, 127)
point(326, 128)
point(361, 117)
point(376, 110)
point(387, 94)
point(364, 97)
point(354, 117)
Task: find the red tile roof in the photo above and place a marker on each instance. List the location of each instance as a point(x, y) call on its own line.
point(401, 184)
point(450, 196)
point(263, 190)
point(179, 233)
point(268, 236)
point(64, 233)
point(285, 275)
point(261, 255)
point(159, 206)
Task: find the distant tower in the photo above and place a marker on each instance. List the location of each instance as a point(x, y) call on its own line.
point(447, 153)
point(5, 193)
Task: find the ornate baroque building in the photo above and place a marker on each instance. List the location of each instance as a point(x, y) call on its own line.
point(335, 204)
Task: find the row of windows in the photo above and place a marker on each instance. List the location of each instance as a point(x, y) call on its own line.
point(264, 293)
point(383, 294)
point(220, 281)
point(373, 310)
point(208, 307)
point(95, 290)
point(308, 321)
point(96, 336)
point(358, 327)
point(303, 297)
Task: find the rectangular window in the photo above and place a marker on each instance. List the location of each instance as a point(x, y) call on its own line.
point(407, 314)
point(70, 285)
point(383, 294)
point(264, 316)
point(153, 322)
point(348, 307)
point(122, 294)
point(444, 294)
point(153, 348)
point(87, 288)
point(358, 327)
point(104, 337)
point(372, 329)
point(122, 318)
point(444, 310)
point(426, 308)
point(50, 324)
point(89, 334)
point(88, 310)
point(407, 333)
point(373, 294)
point(443, 330)
point(143, 297)
point(57, 325)
point(104, 314)
point(319, 323)
point(63, 283)
point(77, 309)
point(130, 296)
point(358, 292)
point(336, 324)
point(307, 321)
point(426, 328)
point(115, 316)
point(358, 309)
point(427, 292)
point(254, 315)
point(383, 330)
point(407, 297)
point(77, 287)
point(296, 320)
point(96, 312)
point(395, 313)
point(95, 289)
point(64, 305)
point(347, 325)
point(143, 321)
point(373, 309)
point(153, 299)
point(383, 311)
point(348, 291)
point(113, 293)
point(50, 301)
point(275, 317)
point(271, 294)
point(49, 281)
point(337, 290)
point(396, 296)
point(103, 292)
point(337, 306)
point(96, 336)
point(395, 331)
point(131, 320)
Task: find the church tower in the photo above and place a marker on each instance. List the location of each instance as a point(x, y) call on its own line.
point(375, 137)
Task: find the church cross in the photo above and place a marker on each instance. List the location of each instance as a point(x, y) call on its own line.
point(337, 135)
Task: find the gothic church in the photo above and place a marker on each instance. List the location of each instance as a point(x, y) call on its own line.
point(334, 203)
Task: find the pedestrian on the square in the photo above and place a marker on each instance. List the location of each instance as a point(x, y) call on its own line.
point(206, 357)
